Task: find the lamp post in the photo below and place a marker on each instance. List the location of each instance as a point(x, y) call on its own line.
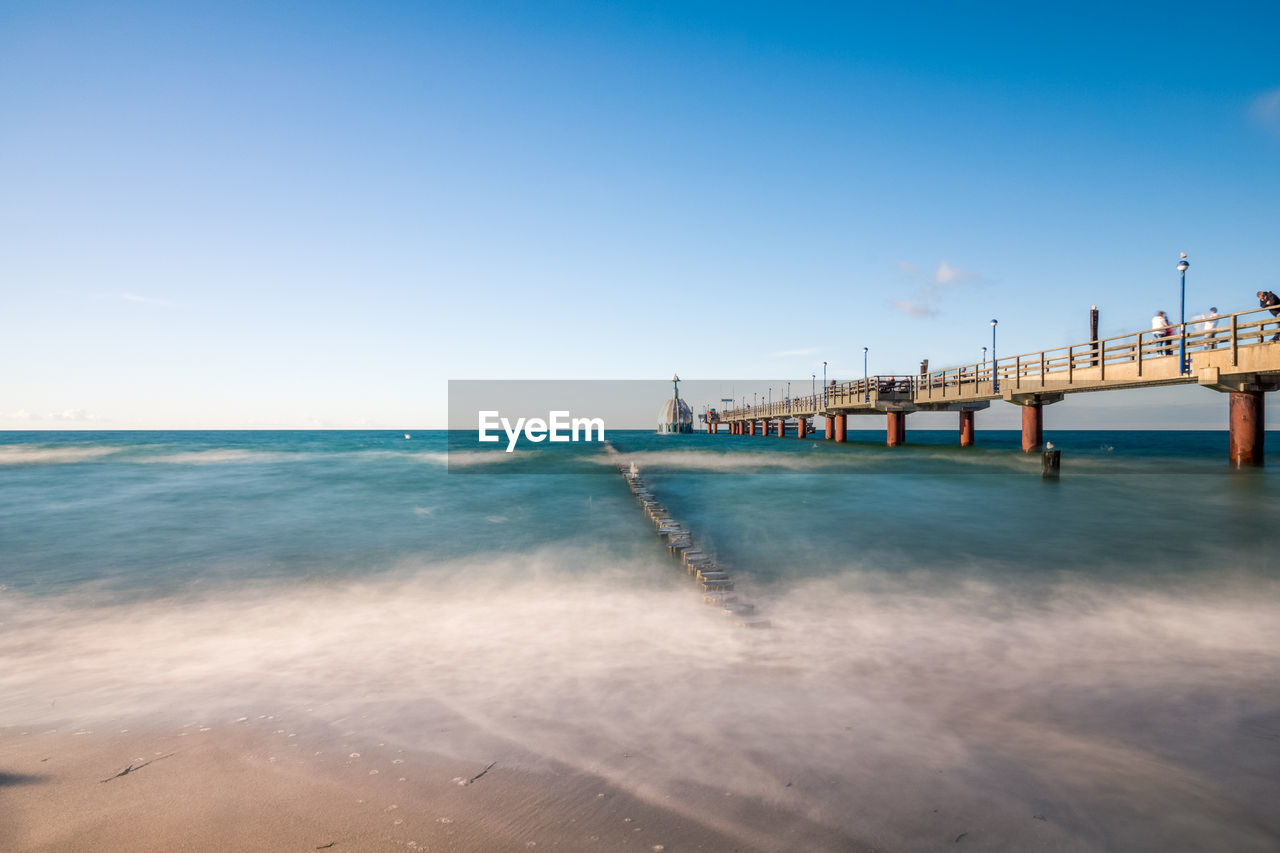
point(824, 384)
point(995, 379)
point(984, 358)
point(813, 382)
point(866, 387)
point(1182, 316)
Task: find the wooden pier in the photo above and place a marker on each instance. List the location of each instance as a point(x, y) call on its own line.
point(1239, 355)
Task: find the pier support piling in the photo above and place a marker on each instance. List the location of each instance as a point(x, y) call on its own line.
point(1032, 427)
point(782, 427)
point(895, 428)
point(802, 428)
point(1247, 436)
point(966, 429)
point(830, 426)
point(841, 430)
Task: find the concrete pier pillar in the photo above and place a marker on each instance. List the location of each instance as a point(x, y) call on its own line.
point(751, 427)
point(831, 427)
point(966, 429)
point(782, 427)
point(841, 427)
point(895, 428)
point(1247, 437)
point(802, 428)
point(1032, 427)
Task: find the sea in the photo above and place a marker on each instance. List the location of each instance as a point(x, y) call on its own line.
point(954, 644)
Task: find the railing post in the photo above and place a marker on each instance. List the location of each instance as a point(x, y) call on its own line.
point(1235, 340)
point(1017, 372)
point(1139, 353)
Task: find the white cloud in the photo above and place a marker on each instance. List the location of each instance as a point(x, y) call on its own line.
point(1266, 109)
point(72, 415)
point(914, 307)
point(929, 290)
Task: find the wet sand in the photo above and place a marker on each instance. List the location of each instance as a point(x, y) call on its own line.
point(250, 786)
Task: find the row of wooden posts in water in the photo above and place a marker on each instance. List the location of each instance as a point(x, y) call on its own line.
point(712, 578)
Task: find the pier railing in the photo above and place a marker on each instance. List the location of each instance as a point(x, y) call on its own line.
point(866, 392)
point(1129, 357)
point(1148, 356)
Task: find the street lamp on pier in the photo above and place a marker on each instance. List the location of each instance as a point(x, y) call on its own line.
point(1182, 316)
point(824, 384)
point(866, 387)
point(995, 379)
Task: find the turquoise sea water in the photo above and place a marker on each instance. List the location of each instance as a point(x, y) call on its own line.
point(958, 646)
point(150, 512)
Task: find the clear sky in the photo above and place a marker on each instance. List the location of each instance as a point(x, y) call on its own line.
point(310, 214)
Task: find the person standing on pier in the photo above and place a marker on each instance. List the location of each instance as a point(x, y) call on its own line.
point(1160, 325)
point(1267, 299)
point(1208, 325)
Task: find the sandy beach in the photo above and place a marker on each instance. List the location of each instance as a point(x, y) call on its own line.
point(572, 717)
point(251, 786)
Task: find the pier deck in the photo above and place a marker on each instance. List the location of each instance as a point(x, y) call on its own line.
point(1239, 355)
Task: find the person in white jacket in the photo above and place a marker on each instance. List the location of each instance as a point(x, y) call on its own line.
point(1160, 325)
point(1208, 323)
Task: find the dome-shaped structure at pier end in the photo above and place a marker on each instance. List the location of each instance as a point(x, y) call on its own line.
point(676, 417)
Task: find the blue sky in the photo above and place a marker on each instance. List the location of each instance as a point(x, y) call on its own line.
point(293, 215)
